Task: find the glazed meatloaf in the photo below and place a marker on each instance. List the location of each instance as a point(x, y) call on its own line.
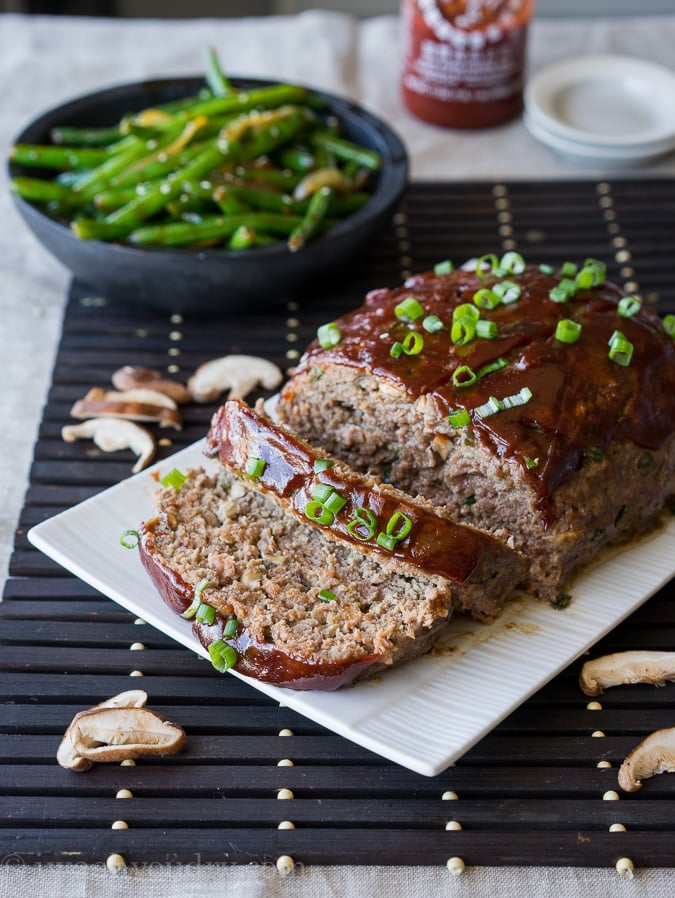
point(297, 571)
point(527, 401)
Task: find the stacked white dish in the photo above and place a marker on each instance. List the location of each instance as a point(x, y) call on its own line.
point(605, 109)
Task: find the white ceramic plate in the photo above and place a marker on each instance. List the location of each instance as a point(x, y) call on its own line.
point(598, 155)
point(605, 101)
point(423, 715)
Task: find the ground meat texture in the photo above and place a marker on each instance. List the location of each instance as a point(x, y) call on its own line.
point(266, 569)
point(588, 461)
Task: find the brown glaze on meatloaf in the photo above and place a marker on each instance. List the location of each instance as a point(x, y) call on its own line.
point(315, 605)
point(587, 460)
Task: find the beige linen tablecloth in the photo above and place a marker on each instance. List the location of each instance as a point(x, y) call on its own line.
point(45, 61)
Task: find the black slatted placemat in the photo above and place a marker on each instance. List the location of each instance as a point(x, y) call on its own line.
point(532, 792)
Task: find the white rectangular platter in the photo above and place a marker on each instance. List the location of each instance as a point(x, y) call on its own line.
point(426, 714)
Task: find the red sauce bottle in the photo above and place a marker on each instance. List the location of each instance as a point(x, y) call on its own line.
point(463, 60)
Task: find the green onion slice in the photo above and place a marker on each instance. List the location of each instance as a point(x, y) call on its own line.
point(255, 467)
point(327, 595)
point(334, 503)
point(585, 279)
point(486, 299)
point(396, 350)
point(567, 331)
point(491, 407)
point(512, 263)
point(459, 418)
point(321, 491)
point(444, 267)
point(620, 349)
point(568, 269)
point(669, 325)
point(487, 330)
point(222, 655)
point(322, 464)
point(491, 367)
point(522, 397)
point(316, 512)
point(399, 526)
point(191, 610)
point(546, 269)
point(328, 335)
point(387, 542)
point(413, 343)
point(465, 311)
point(462, 332)
point(174, 478)
point(507, 291)
point(530, 462)
point(562, 291)
point(230, 628)
point(464, 376)
point(599, 270)
point(363, 525)
point(432, 324)
point(206, 614)
point(130, 539)
point(409, 309)
point(486, 264)
point(629, 306)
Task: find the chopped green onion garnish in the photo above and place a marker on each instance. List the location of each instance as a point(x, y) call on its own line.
point(567, 331)
point(326, 595)
point(546, 269)
point(491, 407)
point(255, 466)
point(174, 478)
point(568, 269)
point(321, 491)
point(462, 331)
point(191, 610)
point(620, 349)
point(599, 270)
point(396, 350)
point(317, 513)
point(387, 542)
point(585, 279)
point(409, 309)
point(486, 299)
point(400, 521)
point(489, 262)
point(562, 291)
point(230, 628)
point(487, 330)
point(595, 453)
point(223, 656)
point(363, 525)
point(530, 462)
point(512, 263)
point(465, 311)
point(432, 324)
point(129, 539)
point(413, 344)
point(491, 367)
point(200, 587)
point(334, 503)
point(322, 464)
point(507, 291)
point(522, 397)
point(459, 418)
point(629, 306)
point(206, 614)
point(669, 325)
point(328, 335)
point(444, 267)
point(464, 376)
point(562, 601)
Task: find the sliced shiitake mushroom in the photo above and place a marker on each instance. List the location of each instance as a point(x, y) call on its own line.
point(626, 667)
point(118, 734)
point(654, 755)
point(134, 377)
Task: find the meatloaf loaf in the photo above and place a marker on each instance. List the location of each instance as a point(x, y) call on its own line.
point(527, 401)
point(297, 571)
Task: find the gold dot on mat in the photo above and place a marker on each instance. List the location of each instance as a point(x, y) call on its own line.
point(141, 332)
point(136, 647)
point(173, 369)
point(292, 322)
point(611, 795)
point(286, 732)
point(285, 865)
point(606, 202)
point(292, 354)
point(623, 256)
point(292, 338)
point(610, 215)
point(631, 286)
point(455, 866)
point(613, 228)
point(136, 673)
point(594, 706)
point(165, 441)
point(175, 336)
point(625, 867)
point(128, 762)
point(504, 217)
point(619, 242)
point(509, 244)
point(499, 190)
point(293, 306)
point(453, 825)
point(174, 351)
point(449, 796)
point(176, 318)
point(617, 828)
point(124, 793)
point(597, 734)
point(603, 187)
point(120, 824)
point(285, 794)
point(115, 863)
point(502, 204)
point(603, 765)
point(286, 824)
point(285, 762)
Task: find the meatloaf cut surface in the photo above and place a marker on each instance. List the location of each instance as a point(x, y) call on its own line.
point(305, 596)
point(559, 434)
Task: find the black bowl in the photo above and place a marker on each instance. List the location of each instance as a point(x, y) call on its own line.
point(210, 281)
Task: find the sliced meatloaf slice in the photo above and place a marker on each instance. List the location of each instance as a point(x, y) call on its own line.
point(553, 421)
point(302, 595)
